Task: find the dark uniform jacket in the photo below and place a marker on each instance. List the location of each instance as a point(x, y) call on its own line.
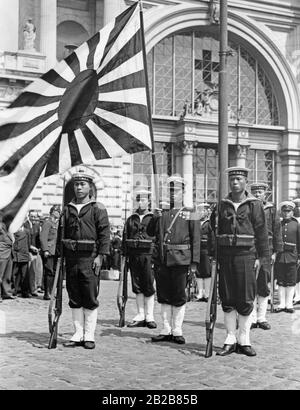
point(90, 224)
point(21, 246)
point(185, 231)
point(291, 241)
point(247, 222)
point(136, 228)
point(207, 238)
point(274, 227)
point(6, 243)
point(48, 236)
point(34, 230)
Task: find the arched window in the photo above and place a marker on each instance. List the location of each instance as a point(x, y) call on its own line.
point(185, 64)
point(69, 33)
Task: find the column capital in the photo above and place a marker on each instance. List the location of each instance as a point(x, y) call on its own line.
point(241, 151)
point(186, 147)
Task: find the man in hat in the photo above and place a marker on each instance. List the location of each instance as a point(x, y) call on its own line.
point(296, 300)
point(259, 320)
point(86, 240)
point(203, 273)
point(288, 259)
point(243, 248)
point(138, 247)
point(180, 233)
point(48, 237)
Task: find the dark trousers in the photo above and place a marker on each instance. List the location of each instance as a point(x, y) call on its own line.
point(237, 283)
point(286, 273)
point(21, 280)
point(171, 284)
point(264, 277)
point(5, 277)
point(82, 283)
point(48, 277)
point(204, 267)
point(142, 275)
point(116, 259)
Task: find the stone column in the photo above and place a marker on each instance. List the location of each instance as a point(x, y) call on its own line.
point(9, 23)
point(112, 8)
point(187, 171)
point(48, 31)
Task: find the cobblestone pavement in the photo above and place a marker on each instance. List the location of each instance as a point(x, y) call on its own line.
point(126, 359)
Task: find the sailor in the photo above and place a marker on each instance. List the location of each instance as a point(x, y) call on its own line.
point(179, 233)
point(242, 247)
point(203, 272)
point(138, 247)
point(296, 300)
point(259, 320)
point(287, 261)
point(86, 240)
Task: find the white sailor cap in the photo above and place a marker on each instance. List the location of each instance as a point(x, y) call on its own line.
point(287, 205)
point(142, 193)
point(176, 180)
point(259, 185)
point(82, 175)
point(232, 171)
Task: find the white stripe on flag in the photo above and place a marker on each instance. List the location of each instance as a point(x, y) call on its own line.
point(132, 95)
point(125, 35)
point(44, 88)
point(133, 65)
point(104, 34)
point(65, 71)
point(82, 53)
point(64, 154)
point(21, 214)
point(10, 146)
point(25, 114)
point(11, 184)
point(112, 148)
point(86, 153)
point(137, 129)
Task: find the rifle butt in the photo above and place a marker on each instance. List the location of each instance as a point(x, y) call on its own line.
point(209, 348)
point(53, 339)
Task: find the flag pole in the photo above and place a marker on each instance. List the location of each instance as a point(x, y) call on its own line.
point(223, 102)
point(154, 165)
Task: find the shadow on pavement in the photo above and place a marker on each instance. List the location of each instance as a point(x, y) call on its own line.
point(38, 340)
point(202, 324)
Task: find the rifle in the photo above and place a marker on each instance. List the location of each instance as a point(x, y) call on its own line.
point(122, 295)
point(191, 285)
point(211, 311)
point(57, 289)
point(272, 288)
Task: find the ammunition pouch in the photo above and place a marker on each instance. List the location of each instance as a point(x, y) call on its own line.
point(177, 254)
point(289, 247)
point(236, 240)
point(145, 244)
point(82, 245)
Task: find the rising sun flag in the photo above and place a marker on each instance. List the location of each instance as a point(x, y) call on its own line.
point(90, 106)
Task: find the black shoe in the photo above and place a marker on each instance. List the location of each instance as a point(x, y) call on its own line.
point(226, 350)
point(1, 300)
point(264, 325)
point(289, 310)
point(26, 295)
point(179, 339)
point(297, 302)
point(89, 345)
point(46, 297)
point(246, 350)
point(161, 338)
point(137, 323)
point(205, 300)
point(9, 297)
point(254, 325)
point(35, 294)
point(72, 344)
point(278, 310)
point(151, 324)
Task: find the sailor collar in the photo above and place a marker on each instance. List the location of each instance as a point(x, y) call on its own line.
point(73, 203)
point(249, 198)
